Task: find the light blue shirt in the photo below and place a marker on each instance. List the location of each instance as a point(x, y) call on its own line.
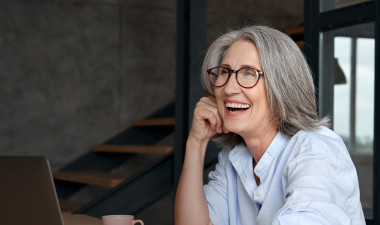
point(305, 179)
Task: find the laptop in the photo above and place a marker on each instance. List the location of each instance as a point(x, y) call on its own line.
point(27, 192)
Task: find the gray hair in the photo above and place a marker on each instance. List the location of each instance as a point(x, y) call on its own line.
point(288, 80)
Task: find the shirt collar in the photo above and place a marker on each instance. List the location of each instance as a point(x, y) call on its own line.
point(241, 158)
point(277, 145)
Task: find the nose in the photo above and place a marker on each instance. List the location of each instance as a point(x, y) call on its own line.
point(232, 86)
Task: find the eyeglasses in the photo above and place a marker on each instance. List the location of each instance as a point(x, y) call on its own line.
point(246, 77)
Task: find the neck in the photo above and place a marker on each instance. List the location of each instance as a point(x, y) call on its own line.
point(258, 144)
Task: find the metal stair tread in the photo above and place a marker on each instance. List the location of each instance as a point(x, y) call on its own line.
point(133, 149)
point(169, 121)
point(98, 178)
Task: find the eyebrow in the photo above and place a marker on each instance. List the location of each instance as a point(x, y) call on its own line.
point(242, 66)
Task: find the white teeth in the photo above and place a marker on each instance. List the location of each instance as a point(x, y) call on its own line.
point(236, 105)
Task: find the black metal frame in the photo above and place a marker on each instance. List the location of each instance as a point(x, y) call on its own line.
point(191, 42)
point(182, 88)
point(315, 22)
point(357, 14)
point(376, 144)
point(311, 33)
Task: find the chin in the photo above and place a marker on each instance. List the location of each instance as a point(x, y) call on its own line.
point(233, 129)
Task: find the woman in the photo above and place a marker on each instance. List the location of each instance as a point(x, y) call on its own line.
point(279, 164)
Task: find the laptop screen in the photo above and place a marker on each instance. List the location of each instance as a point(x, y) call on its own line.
point(27, 192)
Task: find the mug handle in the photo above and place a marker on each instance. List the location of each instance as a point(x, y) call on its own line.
point(137, 221)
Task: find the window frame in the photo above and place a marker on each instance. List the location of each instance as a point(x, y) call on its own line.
point(317, 22)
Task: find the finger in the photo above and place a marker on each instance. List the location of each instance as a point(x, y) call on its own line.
point(206, 115)
point(209, 103)
point(203, 126)
point(217, 124)
point(209, 100)
point(225, 130)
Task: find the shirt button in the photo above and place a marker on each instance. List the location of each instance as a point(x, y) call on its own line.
point(259, 193)
point(258, 169)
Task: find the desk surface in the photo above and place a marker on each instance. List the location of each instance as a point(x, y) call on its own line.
point(80, 219)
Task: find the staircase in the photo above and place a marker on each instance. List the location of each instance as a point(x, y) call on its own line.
point(123, 192)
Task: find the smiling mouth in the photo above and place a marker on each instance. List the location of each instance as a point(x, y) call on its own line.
point(233, 107)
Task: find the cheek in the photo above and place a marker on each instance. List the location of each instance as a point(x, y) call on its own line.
point(263, 110)
point(217, 92)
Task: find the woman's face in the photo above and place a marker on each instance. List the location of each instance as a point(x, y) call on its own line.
point(253, 118)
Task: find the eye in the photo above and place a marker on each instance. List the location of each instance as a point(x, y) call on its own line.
point(249, 72)
point(223, 71)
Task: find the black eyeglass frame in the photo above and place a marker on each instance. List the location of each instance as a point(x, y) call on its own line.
point(231, 71)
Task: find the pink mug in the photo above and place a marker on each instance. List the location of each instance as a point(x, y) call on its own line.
point(120, 220)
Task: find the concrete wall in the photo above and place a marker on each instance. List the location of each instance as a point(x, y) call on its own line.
point(75, 73)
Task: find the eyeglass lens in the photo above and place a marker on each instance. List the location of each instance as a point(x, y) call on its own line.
point(246, 77)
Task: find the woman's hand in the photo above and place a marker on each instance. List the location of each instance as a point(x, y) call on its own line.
point(206, 120)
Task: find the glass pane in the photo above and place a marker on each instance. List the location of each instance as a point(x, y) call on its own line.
point(347, 74)
point(326, 5)
point(365, 79)
point(342, 57)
